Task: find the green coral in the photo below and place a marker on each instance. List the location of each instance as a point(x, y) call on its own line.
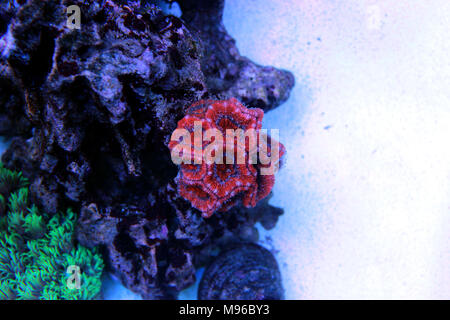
point(38, 256)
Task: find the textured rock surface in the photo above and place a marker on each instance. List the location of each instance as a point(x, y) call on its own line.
point(244, 272)
point(226, 71)
point(91, 112)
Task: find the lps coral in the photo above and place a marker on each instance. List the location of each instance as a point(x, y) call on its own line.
point(211, 131)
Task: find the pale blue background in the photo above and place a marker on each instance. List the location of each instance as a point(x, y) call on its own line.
point(366, 186)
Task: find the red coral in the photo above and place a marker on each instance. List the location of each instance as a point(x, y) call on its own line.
point(211, 186)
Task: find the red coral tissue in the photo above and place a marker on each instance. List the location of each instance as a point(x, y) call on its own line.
point(239, 170)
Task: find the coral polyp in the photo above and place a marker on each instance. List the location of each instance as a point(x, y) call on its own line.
point(38, 255)
point(218, 173)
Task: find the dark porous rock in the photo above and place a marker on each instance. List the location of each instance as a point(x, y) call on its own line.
point(105, 98)
point(227, 72)
point(91, 111)
point(133, 244)
point(244, 272)
point(13, 120)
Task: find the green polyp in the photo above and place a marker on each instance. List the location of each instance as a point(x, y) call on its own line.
point(37, 250)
